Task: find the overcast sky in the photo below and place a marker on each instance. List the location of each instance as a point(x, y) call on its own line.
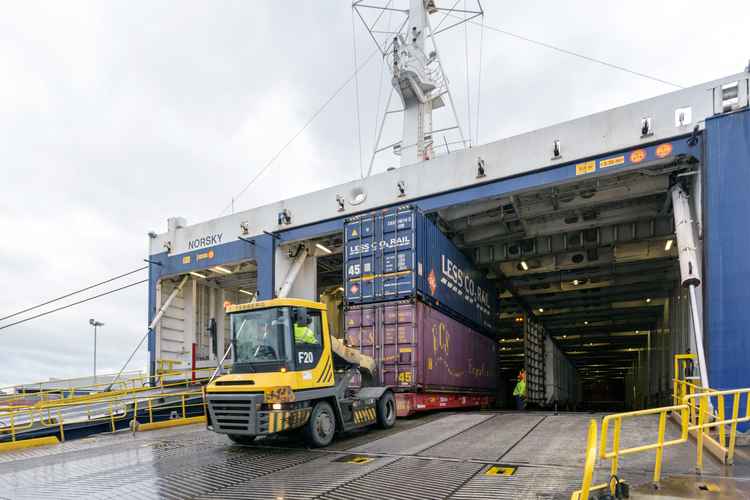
point(117, 115)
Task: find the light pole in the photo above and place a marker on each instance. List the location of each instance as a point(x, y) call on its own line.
point(95, 324)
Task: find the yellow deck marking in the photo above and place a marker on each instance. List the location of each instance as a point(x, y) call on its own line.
point(500, 470)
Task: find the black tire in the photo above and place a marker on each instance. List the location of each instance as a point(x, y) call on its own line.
point(386, 410)
point(242, 438)
point(321, 427)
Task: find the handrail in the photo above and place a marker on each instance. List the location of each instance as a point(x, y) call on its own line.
point(589, 464)
point(659, 446)
point(166, 368)
point(707, 420)
point(133, 384)
point(695, 408)
point(110, 410)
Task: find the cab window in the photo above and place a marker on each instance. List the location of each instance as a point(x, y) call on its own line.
point(308, 337)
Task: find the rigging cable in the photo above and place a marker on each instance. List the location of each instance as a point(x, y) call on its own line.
point(356, 97)
point(302, 129)
point(445, 16)
point(3, 327)
point(468, 84)
point(571, 53)
point(479, 77)
point(73, 293)
point(380, 84)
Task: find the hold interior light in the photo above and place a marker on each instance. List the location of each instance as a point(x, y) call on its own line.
point(668, 245)
point(197, 275)
point(323, 248)
point(576, 282)
point(648, 299)
point(245, 292)
point(541, 309)
point(524, 265)
point(222, 269)
point(276, 406)
point(585, 322)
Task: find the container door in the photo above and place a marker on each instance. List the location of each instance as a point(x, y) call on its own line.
point(359, 260)
point(395, 254)
point(361, 334)
point(399, 345)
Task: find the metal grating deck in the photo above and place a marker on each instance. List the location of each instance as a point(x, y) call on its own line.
point(437, 456)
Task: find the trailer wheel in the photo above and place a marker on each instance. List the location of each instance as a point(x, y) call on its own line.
point(386, 410)
point(321, 426)
point(242, 438)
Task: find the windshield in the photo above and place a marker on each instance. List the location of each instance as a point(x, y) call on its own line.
point(261, 337)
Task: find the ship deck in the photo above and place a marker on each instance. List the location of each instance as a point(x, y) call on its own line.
point(441, 455)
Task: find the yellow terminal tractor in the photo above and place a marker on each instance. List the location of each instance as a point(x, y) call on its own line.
point(290, 373)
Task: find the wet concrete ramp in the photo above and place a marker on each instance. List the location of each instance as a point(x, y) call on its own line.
point(450, 455)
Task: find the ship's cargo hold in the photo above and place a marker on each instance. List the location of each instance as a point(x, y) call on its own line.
point(560, 377)
point(419, 349)
point(398, 253)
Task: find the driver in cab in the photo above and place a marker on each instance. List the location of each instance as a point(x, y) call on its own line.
point(303, 334)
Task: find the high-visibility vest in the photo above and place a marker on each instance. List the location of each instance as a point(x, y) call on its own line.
point(520, 389)
point(303, 334)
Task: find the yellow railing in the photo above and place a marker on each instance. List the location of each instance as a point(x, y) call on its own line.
point(166, 373)
point(694, 405)
point(103, 402)
point(589, 465)
point(708, 420)
point(132, 385)
point(616, 452)
point(110, 410)
point(62, 390)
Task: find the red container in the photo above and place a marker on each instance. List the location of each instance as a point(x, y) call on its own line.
point(420, 349)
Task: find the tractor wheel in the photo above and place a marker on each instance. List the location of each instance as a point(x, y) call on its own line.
point(321, 426)
point(386, 410)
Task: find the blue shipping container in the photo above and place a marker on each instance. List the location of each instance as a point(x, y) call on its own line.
point(398, 253)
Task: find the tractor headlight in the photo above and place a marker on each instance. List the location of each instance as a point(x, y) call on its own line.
point(283, 394)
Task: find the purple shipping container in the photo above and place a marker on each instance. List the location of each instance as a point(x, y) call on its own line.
point(418, 348)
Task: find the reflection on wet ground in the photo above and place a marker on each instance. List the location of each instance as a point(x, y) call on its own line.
point(441, 455)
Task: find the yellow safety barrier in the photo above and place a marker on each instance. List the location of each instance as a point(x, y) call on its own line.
point(107, 403)
point(693, 404)
point(589, 464)
point(132, 385)
point(52, 415)
point(708, 420)
point(171, 423)
point(165, 370)
point(28, 443)
point(183, 407)
point(659, 445)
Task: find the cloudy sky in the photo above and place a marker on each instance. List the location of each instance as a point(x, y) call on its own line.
point(116, 115)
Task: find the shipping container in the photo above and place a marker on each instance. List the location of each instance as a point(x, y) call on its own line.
point(419, 349)
point(560, 377)
point(399, 253)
